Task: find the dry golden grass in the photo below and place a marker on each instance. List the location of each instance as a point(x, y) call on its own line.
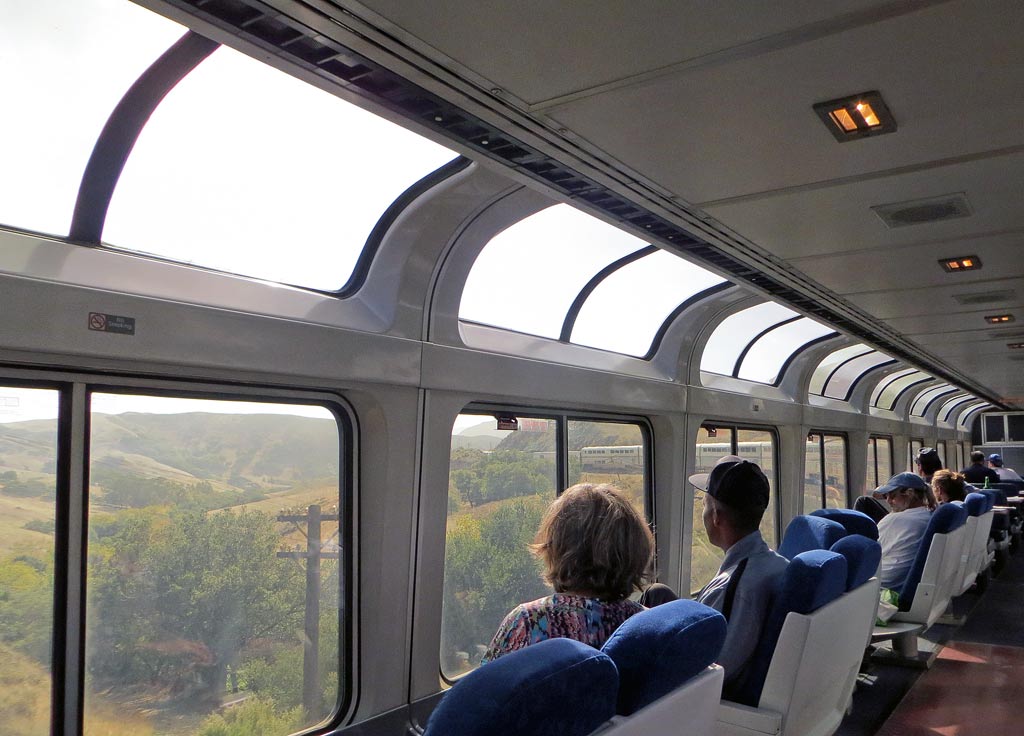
point(14, 514)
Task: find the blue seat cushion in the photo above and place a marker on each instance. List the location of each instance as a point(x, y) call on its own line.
point(976, 504)
point(557, 686)
point(661, 648)
point(855, 522)
point(862, 558)
point(805, 533)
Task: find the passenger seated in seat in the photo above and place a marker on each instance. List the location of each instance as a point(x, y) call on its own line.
point(977, 474)
point(735, 498)
point(949, 486)
point(900, 532)
point(596, 550)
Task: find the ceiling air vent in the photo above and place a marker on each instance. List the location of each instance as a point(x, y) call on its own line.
point(920, 211)
point(984, 297)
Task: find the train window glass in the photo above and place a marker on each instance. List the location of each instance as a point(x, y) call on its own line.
point(500, 483)
point(925, 398)
point(735, 333)
point(876, 393)
point(609, 452)
point(940, 447)
point(705, 558)
point(65, 77)
point(830, 363)
point(995, 430)
point(215, 551)
point(825, 483)
point(950, 405)
point(872, 467)
point(572, 245)
point(280, 181)
point(625, 311)
point(915, 447)
point(759, 445)
point(1015, 427)
point(766, 355)
point(28, 489)
point(883, 457)
point(845, 378)
point(959, 455)
point(887, 398)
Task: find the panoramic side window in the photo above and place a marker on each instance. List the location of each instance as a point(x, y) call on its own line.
point(500, 482)
point(94, 51)
point(940, 447)
point(246, 169)
point(714, 441)
point(879, 461)
point(825, 483)
point(915, 447)
point(28, 491)
point(215, 555)
point(609, 452)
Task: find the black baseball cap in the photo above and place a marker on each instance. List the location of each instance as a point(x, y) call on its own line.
point(736, 482)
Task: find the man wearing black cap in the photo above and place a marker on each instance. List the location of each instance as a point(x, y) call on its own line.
point(976, 473)
point(735, 499)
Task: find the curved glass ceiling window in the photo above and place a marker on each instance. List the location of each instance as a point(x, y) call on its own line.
point(626, 310)
point(951, 404)
point(884, 383)
point(557, 251)
point(922, 401)
point(887, 398)
point(64, 65)
point(829, 364)
point(733, 335)
point(842, 381)
point(767, 355)
point(245, 169)
point(970, 412)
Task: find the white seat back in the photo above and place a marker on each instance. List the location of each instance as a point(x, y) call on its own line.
point(690, 709)
point(812, 674)
point(940, 577)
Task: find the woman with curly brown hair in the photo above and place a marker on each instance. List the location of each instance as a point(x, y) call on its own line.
point(596, 550)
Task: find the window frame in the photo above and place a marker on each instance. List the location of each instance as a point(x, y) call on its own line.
point(70, 623)
point(873, 440)
point(821, 435)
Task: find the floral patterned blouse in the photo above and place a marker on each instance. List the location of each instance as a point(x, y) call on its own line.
point(559, 616)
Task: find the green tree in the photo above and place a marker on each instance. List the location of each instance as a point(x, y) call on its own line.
point(181, 599)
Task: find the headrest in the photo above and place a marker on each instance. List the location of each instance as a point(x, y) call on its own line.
point(947, 518)
point(854, 522)
point(555, 686)
point(659, 649)
point(976, 504)
point(805, 533)
point(862, 555)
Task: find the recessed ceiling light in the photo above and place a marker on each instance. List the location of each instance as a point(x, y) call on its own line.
point(962, 263)
point(857, 116)
point(1015, 345)
point(999, 319)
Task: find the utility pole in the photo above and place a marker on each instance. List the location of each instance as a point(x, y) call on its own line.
point(313, 519)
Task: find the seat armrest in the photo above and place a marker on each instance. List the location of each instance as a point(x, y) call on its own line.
point(735, 719)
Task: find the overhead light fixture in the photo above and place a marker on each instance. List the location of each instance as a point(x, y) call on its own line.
point(963, 263)
point(1015, 345)
point(999, 319)
point(856, 116)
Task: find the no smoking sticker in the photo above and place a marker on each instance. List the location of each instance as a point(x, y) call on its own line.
point(100, 322)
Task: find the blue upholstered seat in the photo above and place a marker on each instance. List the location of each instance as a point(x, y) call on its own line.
point(805, 533)
point(854, 522)
point(946, 518)
point(558, 686)
point(661, 648)
point(977, 504)
point(812, 579)
point(862, 558)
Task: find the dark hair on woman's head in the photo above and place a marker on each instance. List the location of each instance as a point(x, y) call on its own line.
point(950, 483)
point(594, 543)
